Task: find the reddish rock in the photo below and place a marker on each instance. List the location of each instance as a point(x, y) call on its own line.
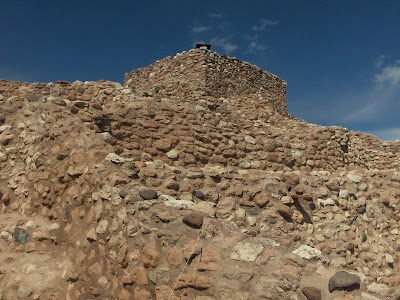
point(273, 157)
point(164, 145)
point(142, 294)
point(194, 281)
point(121, 256)
point(174, 257)
point(208, 260)
point(385, 201)
point(139, 275)
point(124, 295)
point(283, 210)
point(150, 257)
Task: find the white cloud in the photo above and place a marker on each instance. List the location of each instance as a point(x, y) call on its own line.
point(255, 47)
point(199, 29)
point(263, 24)
point(389, 75)
point(387, 134)
point(225, 43)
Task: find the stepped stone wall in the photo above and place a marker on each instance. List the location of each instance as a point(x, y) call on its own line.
point(206, 74)
point(107, 192)
point(149, 126)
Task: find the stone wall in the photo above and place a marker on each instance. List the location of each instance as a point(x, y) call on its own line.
point(147, 197)
point(204, 73)
point(199, 132)
point(229, 77)
point(98, 93)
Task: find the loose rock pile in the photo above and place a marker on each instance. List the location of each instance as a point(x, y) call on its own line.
point(111, 193)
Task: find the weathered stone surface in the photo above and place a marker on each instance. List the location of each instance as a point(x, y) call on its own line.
point(198, 194)
point(193, 220)
point(307, 252)
point(344, 281)
point(34, 97)
point(173, 154)
point(246, 251)
point(115, 158)
point(283, 210)
point(312, 293)
point(195, 281)
point(354, 177)
point(365, 296)
point(378, 288)
point(148, 194)
point(249, 139)
point(20, 235)
point(180, 204)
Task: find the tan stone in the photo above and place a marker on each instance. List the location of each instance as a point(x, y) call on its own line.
point(174, 256)
point(141, 294)
point(150, 257)
point(139, 275)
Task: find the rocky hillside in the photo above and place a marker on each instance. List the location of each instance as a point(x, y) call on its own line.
point(108, 192)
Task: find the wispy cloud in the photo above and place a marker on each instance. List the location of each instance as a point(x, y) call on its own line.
point(216, 15)
point(255, 46)
point(263, 24)
point(199, 29)
point(225, 43)
point(218, 30)
point(387, 134)
point(389, 74)
point(379, 101)
point(380, 60)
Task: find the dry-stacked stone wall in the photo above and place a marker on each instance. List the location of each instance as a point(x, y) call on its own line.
point(98, 93)
point(203, 73)
point(197, 132)
point(183, 75)
point(229, 77)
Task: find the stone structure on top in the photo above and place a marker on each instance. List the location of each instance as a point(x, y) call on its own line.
point(207, 74)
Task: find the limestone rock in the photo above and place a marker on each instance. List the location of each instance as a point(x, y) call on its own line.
point(173, 154)
point(365, 296)
point(308, 252)
point(378, 288)
point(246, 251)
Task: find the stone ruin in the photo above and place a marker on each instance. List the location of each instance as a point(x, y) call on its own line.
point(202, 73)
point(190, 182)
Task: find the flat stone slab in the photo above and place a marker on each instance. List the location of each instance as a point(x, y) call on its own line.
point(307, 252)
point(115, 158)
point(246, 251)
point(344, 281)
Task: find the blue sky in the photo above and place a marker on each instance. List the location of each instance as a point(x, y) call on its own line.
point(341, 58)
